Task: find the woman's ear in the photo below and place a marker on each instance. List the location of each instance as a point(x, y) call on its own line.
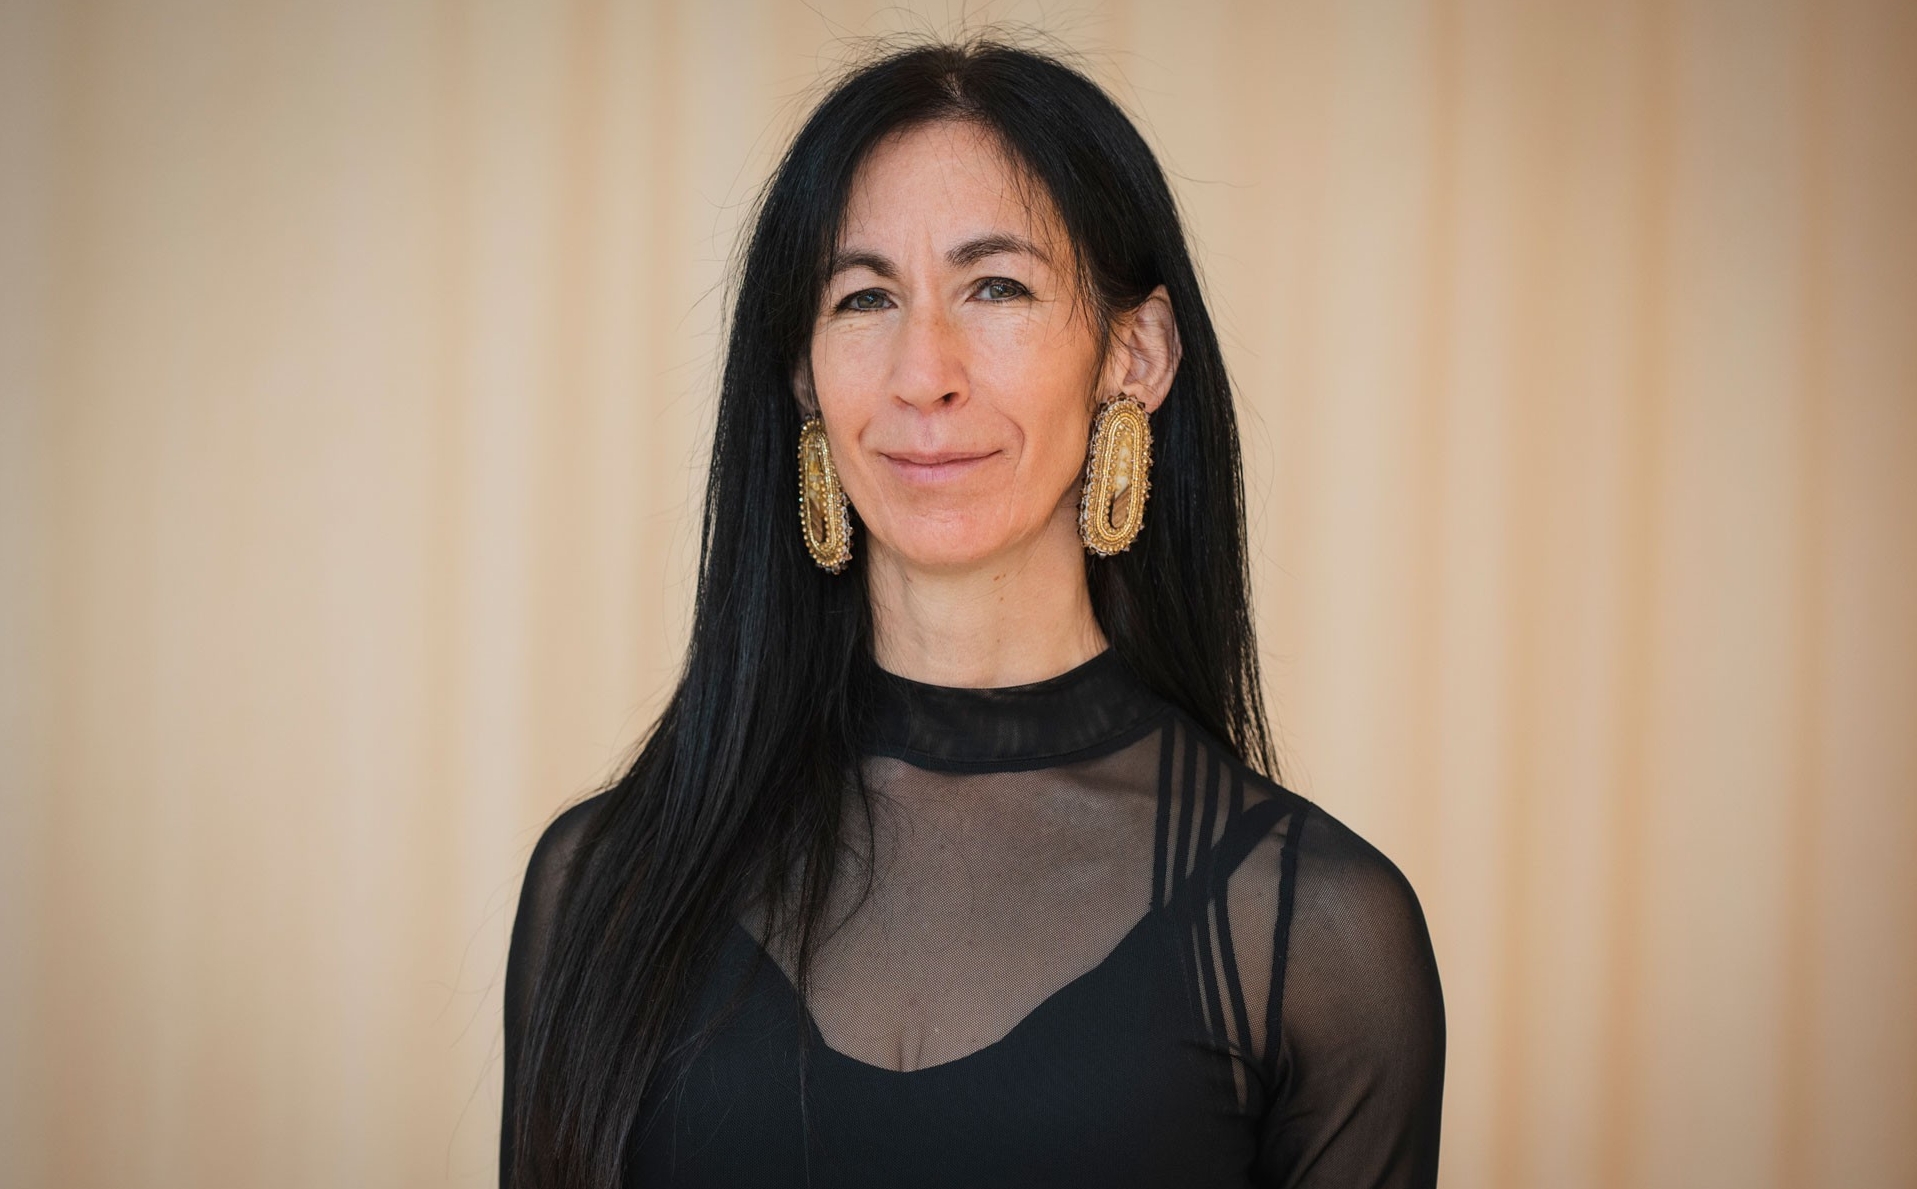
point(802, 389)
point(1144, 353)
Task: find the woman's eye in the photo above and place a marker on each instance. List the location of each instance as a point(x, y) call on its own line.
point(864, 299)
point(1000, 289)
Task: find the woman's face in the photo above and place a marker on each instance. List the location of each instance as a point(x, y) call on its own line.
point(954, 366)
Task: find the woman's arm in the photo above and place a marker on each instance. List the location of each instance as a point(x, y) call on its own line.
point(539, 898)
point(1360, 1064)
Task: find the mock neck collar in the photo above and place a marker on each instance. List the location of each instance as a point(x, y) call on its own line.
point(1092, 708)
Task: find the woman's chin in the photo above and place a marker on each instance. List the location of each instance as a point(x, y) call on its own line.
point(947, 543)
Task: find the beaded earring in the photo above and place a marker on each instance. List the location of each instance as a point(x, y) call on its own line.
point(822, 504)
point(1111, 505)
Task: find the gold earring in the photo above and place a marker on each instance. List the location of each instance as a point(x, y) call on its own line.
point(822, 503)
point(1111, 505)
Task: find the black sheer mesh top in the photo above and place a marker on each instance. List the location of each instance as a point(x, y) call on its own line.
point(1097, 950)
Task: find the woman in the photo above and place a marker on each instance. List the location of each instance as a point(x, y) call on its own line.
point(950, 861)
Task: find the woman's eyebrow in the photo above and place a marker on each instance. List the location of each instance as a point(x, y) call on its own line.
point(998, 243)
point(969, 252)
point(846, 261)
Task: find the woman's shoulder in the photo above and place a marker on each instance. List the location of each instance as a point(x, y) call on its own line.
point(1336, 875)
point(559, 844)
point(1352, 1038)
point(1326, 931)
point(1357, 955)
point(1354, 909)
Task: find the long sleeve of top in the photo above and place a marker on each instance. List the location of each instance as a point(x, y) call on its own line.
point(526, 953)
point(1096, 949)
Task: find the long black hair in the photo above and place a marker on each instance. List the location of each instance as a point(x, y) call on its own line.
point(738, 792)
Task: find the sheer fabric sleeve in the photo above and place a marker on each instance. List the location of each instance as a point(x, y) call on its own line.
point(1360, 1059)
point(539, 896)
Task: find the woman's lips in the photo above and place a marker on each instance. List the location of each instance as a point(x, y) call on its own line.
point(933, 467)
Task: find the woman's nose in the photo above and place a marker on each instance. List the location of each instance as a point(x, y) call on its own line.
point(929, 369)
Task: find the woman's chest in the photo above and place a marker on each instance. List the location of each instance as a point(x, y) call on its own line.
point(1112, 1080)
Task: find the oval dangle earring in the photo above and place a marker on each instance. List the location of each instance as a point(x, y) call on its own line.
point(1111, 505)
point(823, 515)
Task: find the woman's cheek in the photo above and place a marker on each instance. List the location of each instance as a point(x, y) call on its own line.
point(848, 366)
point(1011, 333)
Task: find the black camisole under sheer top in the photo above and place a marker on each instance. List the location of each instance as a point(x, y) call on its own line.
point(1097, 950)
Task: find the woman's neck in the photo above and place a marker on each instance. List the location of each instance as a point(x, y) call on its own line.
point(1016, 618)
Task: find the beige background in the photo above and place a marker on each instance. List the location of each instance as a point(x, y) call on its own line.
point(357, 361)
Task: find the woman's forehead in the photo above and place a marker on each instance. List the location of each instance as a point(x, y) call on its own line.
point(950, 180)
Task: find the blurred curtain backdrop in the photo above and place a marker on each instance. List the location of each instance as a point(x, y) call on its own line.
point(357, 363)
